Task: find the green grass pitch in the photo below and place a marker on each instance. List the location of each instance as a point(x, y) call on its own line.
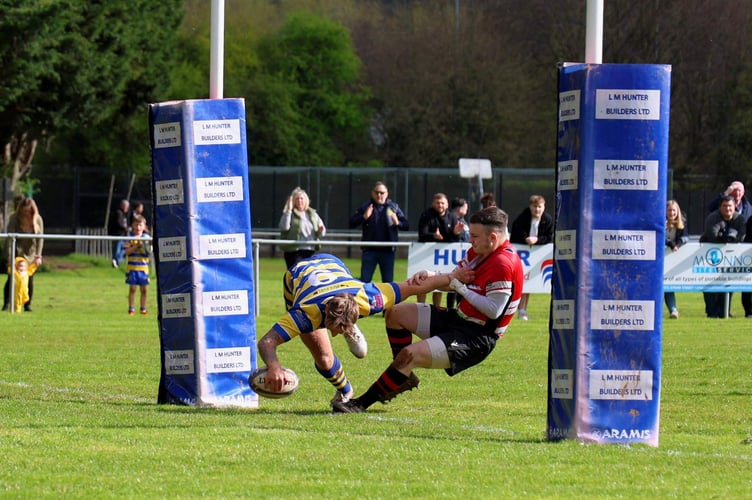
point(79, 419)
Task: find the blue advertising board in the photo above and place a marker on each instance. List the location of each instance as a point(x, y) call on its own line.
point(202, 248)
point(607, 291)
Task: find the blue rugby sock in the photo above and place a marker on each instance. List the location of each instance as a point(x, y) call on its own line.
point(336, 376)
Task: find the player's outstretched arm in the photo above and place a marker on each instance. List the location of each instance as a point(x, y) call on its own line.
point(427, 281)
point(267, 349)
point(491, 305)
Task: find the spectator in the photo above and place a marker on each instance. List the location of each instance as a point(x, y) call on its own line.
point(380, 219)
point(725, 225)
point(747, 296)
point(532, 227)
point(302, 223)
point(138, 209)
point(676, 236)
point(741, 203)
point(487, 200)
point(137, 270)
point(119, 226)
point(438, 225)
point(25, 219)
point(22, 273)
point(459, 208)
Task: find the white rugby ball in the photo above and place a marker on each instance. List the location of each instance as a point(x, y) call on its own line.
point(257, 381)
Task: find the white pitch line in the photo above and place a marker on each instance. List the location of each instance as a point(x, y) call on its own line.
point(77, 392)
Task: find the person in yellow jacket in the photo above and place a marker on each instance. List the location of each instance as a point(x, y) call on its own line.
point(21, 274)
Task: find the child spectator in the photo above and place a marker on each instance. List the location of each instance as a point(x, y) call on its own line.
point(532, 227)
point(21, 274)
point(137, 268)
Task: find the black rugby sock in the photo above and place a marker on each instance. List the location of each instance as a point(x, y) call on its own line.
point(399, 338)
point(389, 381)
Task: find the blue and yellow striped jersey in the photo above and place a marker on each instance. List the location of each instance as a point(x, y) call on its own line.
point(138, 260)
point(313, 281)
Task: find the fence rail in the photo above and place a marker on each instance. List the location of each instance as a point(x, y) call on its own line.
point(101, 243)
point(96, 239)
point(95, 247)
point(87, 239)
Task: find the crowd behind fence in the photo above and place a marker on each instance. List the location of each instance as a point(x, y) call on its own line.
point(80, 194)
point(89, 243)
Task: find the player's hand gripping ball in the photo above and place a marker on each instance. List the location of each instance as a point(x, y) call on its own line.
point(257, 380)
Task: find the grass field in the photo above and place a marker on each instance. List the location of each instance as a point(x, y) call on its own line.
point(79, 419)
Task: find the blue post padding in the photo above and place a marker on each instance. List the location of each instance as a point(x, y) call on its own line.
point(203, 252)
point(606, 314)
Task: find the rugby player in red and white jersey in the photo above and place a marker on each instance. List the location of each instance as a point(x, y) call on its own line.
point(453, 340)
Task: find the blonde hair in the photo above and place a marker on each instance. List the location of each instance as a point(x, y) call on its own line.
point(677, 223)
point(341, 313)
point(298, 191)
point(137, 218)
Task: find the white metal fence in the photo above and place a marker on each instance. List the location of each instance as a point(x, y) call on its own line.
point(101, 245)
point(90, 242)
point(94, 247)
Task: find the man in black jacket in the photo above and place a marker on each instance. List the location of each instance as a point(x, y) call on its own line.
point(725, 225)
point(742, 204)
point(380, 219)
point(438, 224)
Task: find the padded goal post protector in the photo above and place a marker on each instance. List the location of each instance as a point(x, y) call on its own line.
point(202, 248)
point(606, 310)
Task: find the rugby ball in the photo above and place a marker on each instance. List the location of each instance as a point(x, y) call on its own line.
point(257, 381)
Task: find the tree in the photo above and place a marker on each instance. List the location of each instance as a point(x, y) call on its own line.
point(449, 84)
point(306, 104)
point(735, 150)
point(80, 70)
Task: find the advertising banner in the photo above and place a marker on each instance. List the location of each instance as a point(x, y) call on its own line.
point(709, 267)
point(443, 257)
point(203, 254)
point(605, 327)
point(695, 267)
